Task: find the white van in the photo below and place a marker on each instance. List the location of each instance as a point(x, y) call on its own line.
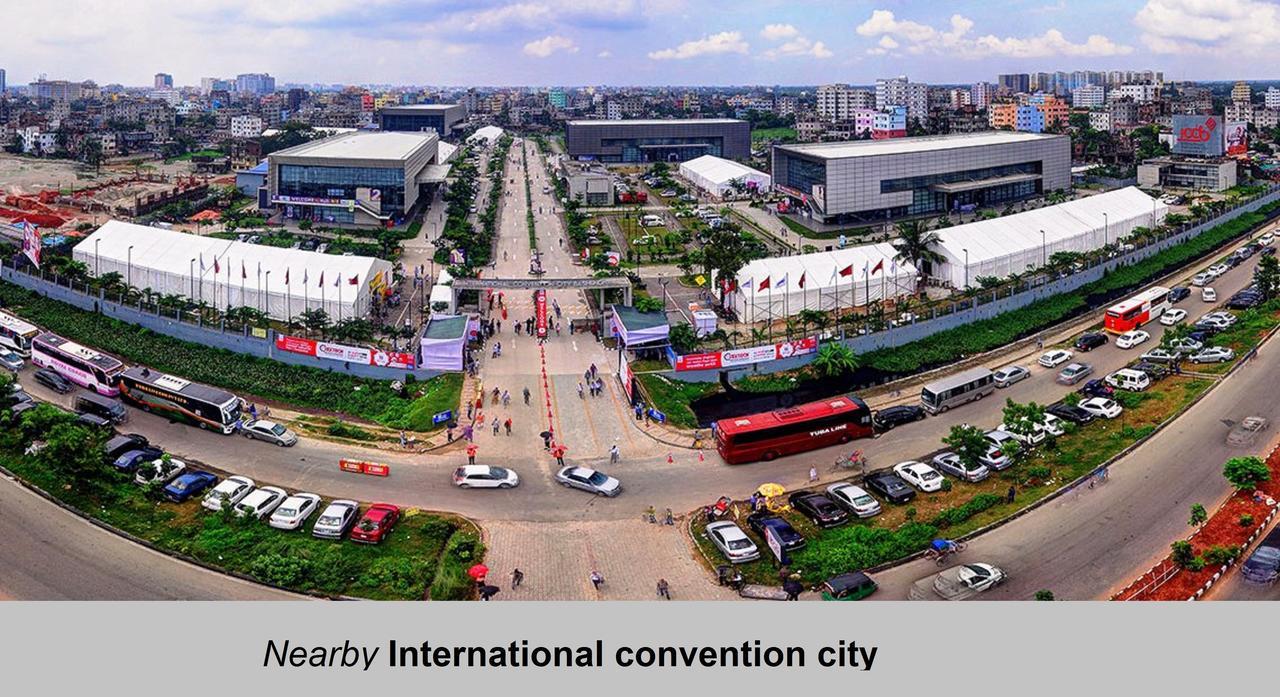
point(651, 221)
point(1129, 379)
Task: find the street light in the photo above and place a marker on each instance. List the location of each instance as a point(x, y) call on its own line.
point(1105, 235)
point(130, 279)
point(1044, 259)
point(966, 268)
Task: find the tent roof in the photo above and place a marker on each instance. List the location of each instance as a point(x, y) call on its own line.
point(485, 133)
point(720, 170)
point(634, 320)
point(445, 327)
point(819, 267)
point(1000, 237)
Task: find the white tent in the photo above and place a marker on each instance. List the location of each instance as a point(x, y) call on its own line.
point(487, 135)
point(713, 175)
point(234, 274)
point(835, 279)
point(1011, 244)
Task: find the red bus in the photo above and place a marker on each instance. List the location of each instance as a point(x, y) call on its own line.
point(1138, 310)
point(792, 430)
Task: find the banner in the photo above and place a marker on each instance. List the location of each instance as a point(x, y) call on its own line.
point(746, 356)
point(1237, 138)
point(348, 354)
point(540, 312)
point(31, 242)
point(627, 379)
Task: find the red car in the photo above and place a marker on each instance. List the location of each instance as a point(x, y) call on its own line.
point(376, 523)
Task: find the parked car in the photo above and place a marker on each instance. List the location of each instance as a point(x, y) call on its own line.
point(1178, 293)
point(951, 463)
point(229, 492)
point(1010, 374)
point(919, 475)
point(1155, 371)
point(93, 420)
point(854, 585)
point(1073, 373)
point(817, 507)
point(294, 511)
point(1055, 358)
point(103, 407)
point(261, 502)
point(1091, 341)
point(1213, 354)
point(1159, 355)
point(1101, 406)
point(188, 485)
point(1267, 239)
point(123, 443)
point(1186, 344)
point(787, 536)
point(485, 477)
point(890, 487)
point(1202, 279)
point(1068, 412)
point(1212, 323)
point(889, 417)
point(1263, 566)
point(1223, 316)
point(1131, 338)
point(1208, 294)
point(732, 542)
point(270, 432)
point(854, 499)
point(1096, 388)
point(336, 519)
point(1218, 269)
point(376, 524)
point(1129, 379)
point(131, 460)
point(590, 480)
point(1035, 437)
point(1052, 425)
point(158, 470)
point(10, 360)
point(53, 381)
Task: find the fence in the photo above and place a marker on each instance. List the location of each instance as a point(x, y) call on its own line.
point(235, 338)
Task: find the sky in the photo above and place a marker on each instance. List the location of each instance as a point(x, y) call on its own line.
point(636, 42)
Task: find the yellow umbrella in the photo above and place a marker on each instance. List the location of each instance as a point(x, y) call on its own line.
point(771, 490)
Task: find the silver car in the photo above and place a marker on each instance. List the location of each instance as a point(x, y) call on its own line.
point(732, 542)
point(854, 499)
point(590, 480)
point(1213, 354)
point(336, 519)
point(951, 463)
point(1010, 374)
point(270, 432)
point(10, 360)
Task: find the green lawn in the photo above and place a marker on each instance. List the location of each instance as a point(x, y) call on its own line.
point(198, 153)
point(672, 398)
point(800, 229)
point(780, 133)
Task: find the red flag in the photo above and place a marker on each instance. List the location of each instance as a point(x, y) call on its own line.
point(878, 267)
point(321, 283)
point(801, 283)
point(764, 285)
point(847, 271)
point(216, 268)
point(243, 273)
point(354, 280)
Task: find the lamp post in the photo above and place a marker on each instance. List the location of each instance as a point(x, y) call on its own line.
point(129, 283)
point(191, 276)
point(966, 268)
point(1044, 258)
point(97, 266)
point(1105, 236)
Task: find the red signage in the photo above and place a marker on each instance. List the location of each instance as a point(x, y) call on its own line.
point(361, 467)
point(349, 354)
point(746, 356)
point(1198, 134)
point(540, 312)
point(295, 344)
point(354, 466)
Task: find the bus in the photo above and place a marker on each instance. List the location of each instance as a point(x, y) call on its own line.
point(955, 390)
point(792, 430)
point(83, 366)
point(16, 335)
point(1138, 310)
point(203, 406)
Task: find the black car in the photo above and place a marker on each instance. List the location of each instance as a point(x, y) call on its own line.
point(1179, 293)
point(1267, 251)
point(1075, 415)
point(53, 381)
point(1206, 328)
point(1155, 371)
point(16, 397)
point(1263, 566)
point(1200, 335)
point(821, 510)
point(890, 486)
point(1096, 388)
point(782, 530)
point(1091, 341)
point(309, 244)
point(889, 417)
point(1244, 300)
point(125, 442)
point(93, 420)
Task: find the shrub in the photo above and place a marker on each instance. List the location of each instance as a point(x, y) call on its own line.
point(279, 569)
point(1044, 595)
point(1039, 472)
point(1220, 554)
point(1246, 520)
point(972, 507)
point(860, 547)
point(1182, 554)
point(1246, 472)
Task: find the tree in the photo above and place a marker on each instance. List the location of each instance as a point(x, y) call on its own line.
point(915, 243)
point(75, 452)
point(1046, 595)
point(1023, 419)
point(1198, 515)
point(682, 338)
point(835, 359)
point(646, 303)
point(725, 252)
point(1183, 555)
point(1246, 472)
point(969, 443)
point(315, 320)
point(1267, 274)
point(353, 330)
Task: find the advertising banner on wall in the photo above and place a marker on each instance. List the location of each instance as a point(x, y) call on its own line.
point(1237, 138)
point(1197, 134)
point(31, 242)
point(540, 312)
point(746, 356)
point(348, 354)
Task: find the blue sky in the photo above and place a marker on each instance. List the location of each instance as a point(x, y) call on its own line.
point(639, 42)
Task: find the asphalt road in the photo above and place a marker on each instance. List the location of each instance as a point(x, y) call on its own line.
point(51, 554)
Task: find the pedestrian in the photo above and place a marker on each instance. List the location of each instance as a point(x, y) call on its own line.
point(1039, 344)
point(639, 409)
point(586, 375)
point(253, 411)
point(517, 577)
point(651, 515)
point(487, 592)
point(471, 454)
point(559, 454)
point(517, 329)
point(496, 425)
point(471, 408)
point(506, 398)
point(664, 589)
point(557, 329)
point(755, 499)
point(496, 395)
point(526, 395)
point(449, 434)
point(580, 392)
point(593, 370)
point(793, 589)
point(507, 423)
point(468, 433)
point(1013, 493)
point(671, 519)
point(813, 474)
point(597, 580)
point(499, 326)
point(546, 442)
point(613, 454)
point(403, 441)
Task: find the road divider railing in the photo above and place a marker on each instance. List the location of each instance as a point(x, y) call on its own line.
point(375, 469)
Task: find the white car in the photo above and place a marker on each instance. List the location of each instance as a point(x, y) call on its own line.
point(1218, 269)
point(1101, 406)
point(1036, 436)
point(229, 492)
point(1172, 317)
point(1208, 294)
point(1267, 239)
point(1131, 338)
point(995, 459)
point(1055, 358)
point(1213, 354)
point(854, 499)
point(485, 477)
point(981, 577)
point(159, 470)
point(1010, 374)
point(261, 502)
point(951, 463)
point(1001, 438)
point(587, 479)
point(294, 511)
point(1201, 279)
point(1223, 316)
point(1185, 344)
point(1216, 321)
point(732, 542)
point(1053, 425)
point(336, 519)
point(919, 475)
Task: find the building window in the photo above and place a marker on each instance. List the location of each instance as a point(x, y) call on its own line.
point(341, 183)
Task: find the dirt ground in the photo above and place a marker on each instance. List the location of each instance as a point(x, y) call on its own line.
point(25, 175)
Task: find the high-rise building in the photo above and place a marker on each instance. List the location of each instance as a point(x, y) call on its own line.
point(838, 102)
point(980, 94)
point(1089, 96)
point(556, 98)
point(164, 81)
point(2, 82)
point(1014, 82)
point(1140, 93)
point(1272, 98)
point(899, 91)
point(255, 83)
point(1241, 93)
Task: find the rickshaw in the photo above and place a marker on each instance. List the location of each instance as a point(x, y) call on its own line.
point(940, 550)
point(854, 585)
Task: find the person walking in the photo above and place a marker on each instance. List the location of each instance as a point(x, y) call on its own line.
point(558, 453)
point(506, 398)
point(403, 440)
point(813, 474)
point(613, 454)
point(580, 392)
point(664, 589)
point(471, 454)
point(517, 577)
point(496, 425)
point(597, 580)
point(526, 396)
point(507, 423)
point(671, 519)
point(470, 409)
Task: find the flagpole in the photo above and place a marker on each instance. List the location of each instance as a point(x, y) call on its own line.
point(769, 317)
point(339, 297)
point(786, 298)
point(288, 299)
point(306, 292)
point(866, 285)
point(260, 287)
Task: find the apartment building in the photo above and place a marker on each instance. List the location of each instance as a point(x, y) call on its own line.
point(838, 102)
point(899, 91)
point(1089, 97)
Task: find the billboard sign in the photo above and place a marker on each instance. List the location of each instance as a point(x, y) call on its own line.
point(1199, 135)
point(1237, 138)
point(349, 354)
point(746, 356)
point(540, 312)
point(31, 242)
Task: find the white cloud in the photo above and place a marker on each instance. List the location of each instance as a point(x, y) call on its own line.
point(548, 45)
point(714, 44)
point(956, 40)
point(778, 32)
point(520, 14)
point(604, 54)
point(1204, 26)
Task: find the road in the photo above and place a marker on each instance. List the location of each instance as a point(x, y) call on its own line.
point(52, 554)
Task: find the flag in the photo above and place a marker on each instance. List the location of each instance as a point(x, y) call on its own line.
point(783, 282)
point(847, 271)
point(244, 273)
point(216, 269)
point(286, 277)
point(866, 267)
point(354, 280)
point(321, 283)
point(337, 278)
point(801, 281)
point(202, 263)
point(893, 266)
point(878, 267)
point(764, 285)
point(305, 278)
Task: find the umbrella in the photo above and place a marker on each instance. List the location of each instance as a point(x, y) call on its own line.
point(478, 571)
point(771, 490)
point(545, 434)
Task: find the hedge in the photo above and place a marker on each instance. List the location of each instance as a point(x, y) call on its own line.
point(970, 508)
point(861, 547)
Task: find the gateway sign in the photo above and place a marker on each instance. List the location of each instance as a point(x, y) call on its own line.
point(746, 356)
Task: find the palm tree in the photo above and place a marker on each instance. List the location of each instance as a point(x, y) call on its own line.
point(758, 335)
point(915, 243)
point(835, 359)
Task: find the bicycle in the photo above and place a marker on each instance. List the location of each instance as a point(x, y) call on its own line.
point(855, 460)
point(940, 556)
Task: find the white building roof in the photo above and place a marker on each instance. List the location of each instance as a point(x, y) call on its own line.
point(720, 171)
point(646, 122)
point(490, 133)
point(822, 269)
point(902, 146)
point(364, 145)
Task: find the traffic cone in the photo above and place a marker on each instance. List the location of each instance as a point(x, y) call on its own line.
point(700, 457)
point(670, 460)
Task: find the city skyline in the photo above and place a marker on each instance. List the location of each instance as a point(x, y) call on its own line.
point(626, 42)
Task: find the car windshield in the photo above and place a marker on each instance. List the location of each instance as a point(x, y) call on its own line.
point(978, 571)
point(1267, 554)
point(180, 485)
point(863, 501)
point(278, 430)
point(498, 472)
point(738, 544)
point(929, 474)
point(286, 512)
point(598, 478)
point(329, 520)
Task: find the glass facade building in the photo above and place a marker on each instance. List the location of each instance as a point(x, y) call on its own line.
point(421, 117)
point(342, 182)
point(657, 140)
